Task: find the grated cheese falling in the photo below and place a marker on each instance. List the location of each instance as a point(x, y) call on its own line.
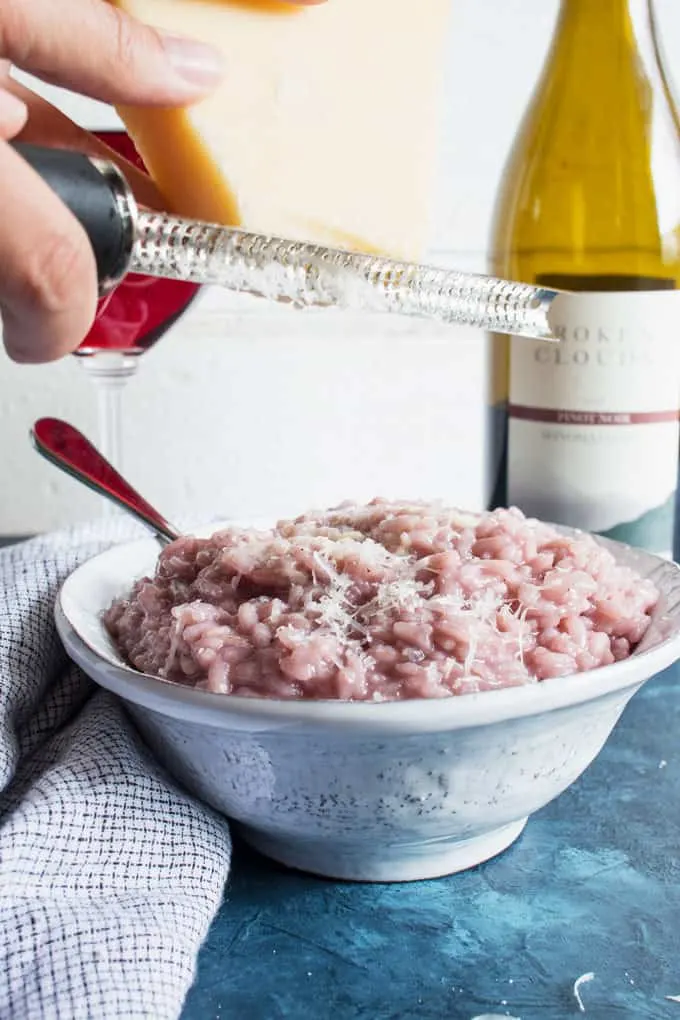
point(406, 593)
point(452, 601)
point(471, 652)
point(495, 1016)
point(584, 979)
point(175, 637)
point(486, 606)
point(522, 617)
point(333, 606)
point(432, 670)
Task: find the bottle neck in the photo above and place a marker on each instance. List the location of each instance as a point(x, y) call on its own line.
point(609, 12)
point(597, 44)
point(608, 24)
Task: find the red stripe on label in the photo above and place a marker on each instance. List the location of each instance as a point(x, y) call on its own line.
point(545, 414)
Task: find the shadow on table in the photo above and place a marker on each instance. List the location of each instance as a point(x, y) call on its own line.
point(592, 887)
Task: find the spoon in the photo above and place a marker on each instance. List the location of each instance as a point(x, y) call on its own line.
point(68, 449)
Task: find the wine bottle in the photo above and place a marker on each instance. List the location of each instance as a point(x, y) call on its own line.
point(590, 203)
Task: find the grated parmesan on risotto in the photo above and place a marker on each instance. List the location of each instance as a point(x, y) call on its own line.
point(381, 602)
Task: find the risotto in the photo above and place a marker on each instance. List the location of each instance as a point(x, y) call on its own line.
point(381, 602)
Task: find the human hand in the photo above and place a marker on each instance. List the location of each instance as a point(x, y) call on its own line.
point(48, 284)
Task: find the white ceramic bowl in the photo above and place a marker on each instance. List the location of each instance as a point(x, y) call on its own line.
point(374, 792)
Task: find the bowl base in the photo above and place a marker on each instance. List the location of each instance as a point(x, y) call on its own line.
point(411, 863)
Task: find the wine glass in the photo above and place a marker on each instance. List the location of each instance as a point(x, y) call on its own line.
point(129, 321)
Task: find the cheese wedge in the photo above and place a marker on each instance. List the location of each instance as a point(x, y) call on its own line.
point(325, 128)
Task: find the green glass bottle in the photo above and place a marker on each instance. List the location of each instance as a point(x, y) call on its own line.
point(590, 202)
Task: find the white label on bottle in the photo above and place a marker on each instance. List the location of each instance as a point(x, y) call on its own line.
point(593, 421)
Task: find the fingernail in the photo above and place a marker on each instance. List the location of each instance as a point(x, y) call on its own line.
point(197, 63)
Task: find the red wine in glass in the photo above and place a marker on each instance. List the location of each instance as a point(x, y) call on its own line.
point(129, 321)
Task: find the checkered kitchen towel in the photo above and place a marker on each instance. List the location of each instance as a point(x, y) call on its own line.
point(109, 874)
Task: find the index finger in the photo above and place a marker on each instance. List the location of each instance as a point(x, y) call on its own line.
point(111, 56)
point(97, 49)
point(46, 125)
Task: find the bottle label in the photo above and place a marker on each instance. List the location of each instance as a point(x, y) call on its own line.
point(594, 428)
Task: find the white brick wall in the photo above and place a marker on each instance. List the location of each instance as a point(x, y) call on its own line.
point(248, 410)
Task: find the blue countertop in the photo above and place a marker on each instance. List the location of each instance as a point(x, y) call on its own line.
point(591, 887)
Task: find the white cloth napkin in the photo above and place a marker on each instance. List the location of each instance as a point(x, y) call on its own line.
point(109, 873)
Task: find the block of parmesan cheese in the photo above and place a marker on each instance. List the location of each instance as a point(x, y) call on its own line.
point(325, 128)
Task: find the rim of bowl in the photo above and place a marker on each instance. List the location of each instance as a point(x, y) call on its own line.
point(433, 714)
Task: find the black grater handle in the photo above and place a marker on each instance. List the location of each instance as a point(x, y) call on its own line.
point(100, 198)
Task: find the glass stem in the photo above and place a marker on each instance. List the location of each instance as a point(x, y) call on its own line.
point(110, 372)
point(109, 412)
